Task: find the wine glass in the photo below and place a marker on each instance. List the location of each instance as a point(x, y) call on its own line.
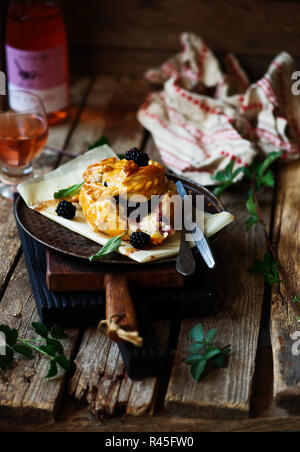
point(23, 134)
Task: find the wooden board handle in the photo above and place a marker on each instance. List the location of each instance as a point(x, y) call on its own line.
point(121, 322)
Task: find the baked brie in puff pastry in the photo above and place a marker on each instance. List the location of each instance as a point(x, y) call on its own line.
point(129, 197)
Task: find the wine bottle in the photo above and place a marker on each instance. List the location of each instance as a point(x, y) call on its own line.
point(36, 54)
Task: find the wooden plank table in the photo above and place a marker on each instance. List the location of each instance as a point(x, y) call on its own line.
point(236, 398)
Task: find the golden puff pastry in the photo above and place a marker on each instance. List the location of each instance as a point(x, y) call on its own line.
point(111, 183)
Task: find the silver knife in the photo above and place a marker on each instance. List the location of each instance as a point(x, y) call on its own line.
point(200, 240)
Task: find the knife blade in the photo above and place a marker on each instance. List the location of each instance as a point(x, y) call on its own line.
point(198, 235)
point(185, 262)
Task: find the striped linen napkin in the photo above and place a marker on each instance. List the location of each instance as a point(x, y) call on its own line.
point(204, 118)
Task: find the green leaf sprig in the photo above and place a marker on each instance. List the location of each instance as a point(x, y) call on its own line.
point(226, 178)
point(112, 245)
point(259, 174)
point(101, 141)
point(268, 267)
point(48, 345)
point(70, 191)
point(201, 352)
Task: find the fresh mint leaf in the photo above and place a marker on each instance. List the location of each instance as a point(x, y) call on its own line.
point(24, 350)
point(53, 371)
point(222, 358)
point(195, 348)
point(271, 158)
point(99, 142)
point(63, 362)
point(268, 179)
point(251, 222)
point(57, 332)
point(56, 345)
point(198, 369)
point(48, 349)
point(112, 245)
point(7, 360)
point(211, 352)
point(70, 191)
point(201, 352)
point(197, 333)
point(51, 347)
point(211, 335)
point(192, 359)
point(268, 267)
point(40, 329)
point(251, 206)
point(11, 335)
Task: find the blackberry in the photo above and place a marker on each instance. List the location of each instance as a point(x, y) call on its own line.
point(139, 239)
point(66, 209)
point(140, 158)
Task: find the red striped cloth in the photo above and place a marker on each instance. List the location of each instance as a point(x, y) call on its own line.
point(203, 118)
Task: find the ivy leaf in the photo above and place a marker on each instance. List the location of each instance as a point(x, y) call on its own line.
point(197, 333)
point(251, 206)
point(40, 329)
point(56, 345)
point(100, 142)
point(53, 371)
point(11, 335)
point(57, 332)
point(198, 369)
point(70, 191)
point(63, 362)
point(112, 245)
point(24, 351)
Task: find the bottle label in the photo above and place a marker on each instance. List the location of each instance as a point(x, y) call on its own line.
point(42, 72)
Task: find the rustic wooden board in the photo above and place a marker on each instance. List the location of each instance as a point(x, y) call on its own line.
point(69, 275)
point(100, 378)
point(240, 26)
point(283, 317)
point(226, 392)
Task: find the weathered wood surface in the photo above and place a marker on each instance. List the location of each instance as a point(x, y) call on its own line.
point(111, 392)
point(24, 393)
point(128, 38)
point(283, 316)
point(101, 381)
point(226, 392)
point(111, 109)
point(251, 27)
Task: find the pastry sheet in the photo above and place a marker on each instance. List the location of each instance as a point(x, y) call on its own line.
point(41, 189)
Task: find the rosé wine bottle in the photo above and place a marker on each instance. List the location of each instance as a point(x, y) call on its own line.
point(36, 54)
